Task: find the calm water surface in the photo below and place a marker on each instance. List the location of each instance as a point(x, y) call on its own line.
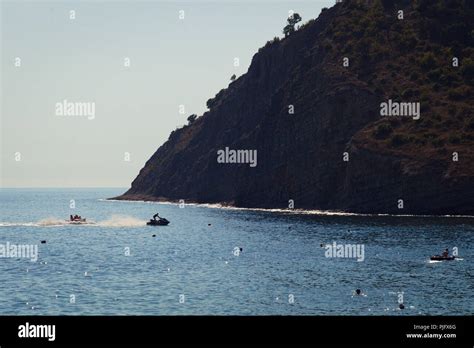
point(189, 267)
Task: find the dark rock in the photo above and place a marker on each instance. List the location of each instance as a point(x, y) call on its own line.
point(337, 110)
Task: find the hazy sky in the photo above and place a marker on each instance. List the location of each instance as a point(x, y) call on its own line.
point(173, 62)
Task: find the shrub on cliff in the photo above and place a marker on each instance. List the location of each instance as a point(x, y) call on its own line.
point(428, 61)
point(383, 130)
point(212, 102)
point(399, 139)
point(467, 68)
point(191, 119)
point(290, 27)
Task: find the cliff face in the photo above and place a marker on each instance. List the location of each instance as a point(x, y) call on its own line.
point(336, 117)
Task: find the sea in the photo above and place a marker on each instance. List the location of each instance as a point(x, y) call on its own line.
point(213, 260)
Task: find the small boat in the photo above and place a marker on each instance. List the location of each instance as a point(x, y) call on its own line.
point(77, 220)
point(442, 258)
point(159, 222)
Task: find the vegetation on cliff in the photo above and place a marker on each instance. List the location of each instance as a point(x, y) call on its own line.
point(310, 105)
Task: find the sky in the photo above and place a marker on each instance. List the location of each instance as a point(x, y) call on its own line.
point(141, 66)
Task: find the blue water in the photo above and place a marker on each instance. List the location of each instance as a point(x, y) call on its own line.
point(281, 259)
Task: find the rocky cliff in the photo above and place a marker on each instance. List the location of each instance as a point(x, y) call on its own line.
point(314, 118)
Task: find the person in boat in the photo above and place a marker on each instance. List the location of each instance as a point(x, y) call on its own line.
point(445, 253)
point(71, 218)
point(156, 216)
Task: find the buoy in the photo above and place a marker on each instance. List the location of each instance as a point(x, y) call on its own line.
point(154, 235)
point(43, 242)
point(401, 306)
point(208, 224)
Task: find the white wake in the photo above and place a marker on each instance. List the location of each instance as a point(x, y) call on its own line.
point(113, 221)
point(121, 221)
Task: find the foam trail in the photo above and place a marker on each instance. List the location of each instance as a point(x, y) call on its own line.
point(13, 224)
point(121, 221)
point(51, 221)
point(113, 221)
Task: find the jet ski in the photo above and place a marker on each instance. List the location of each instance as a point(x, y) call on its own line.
point(442, 258)
point(77, 220)
point(160, 222)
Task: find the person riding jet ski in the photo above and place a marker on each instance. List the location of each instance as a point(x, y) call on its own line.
point(160, 222)
point(443, 257)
